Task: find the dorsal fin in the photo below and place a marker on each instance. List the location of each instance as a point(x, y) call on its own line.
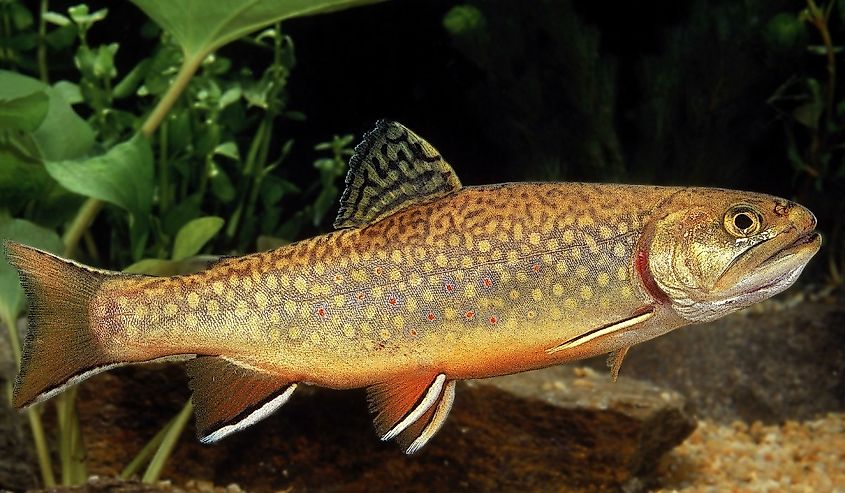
point(392, 168)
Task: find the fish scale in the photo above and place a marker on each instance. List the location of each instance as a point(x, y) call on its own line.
point(425, 282)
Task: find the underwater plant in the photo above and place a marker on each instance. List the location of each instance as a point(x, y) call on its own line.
point(176, 154)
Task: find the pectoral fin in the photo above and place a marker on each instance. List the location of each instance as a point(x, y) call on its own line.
point(623, 325)
point(229, 396)
point(614, 361)
point(411, 408)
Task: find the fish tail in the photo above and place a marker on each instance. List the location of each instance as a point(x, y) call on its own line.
point(61, 347)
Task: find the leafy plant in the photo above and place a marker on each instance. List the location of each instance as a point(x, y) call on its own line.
point(174, 156)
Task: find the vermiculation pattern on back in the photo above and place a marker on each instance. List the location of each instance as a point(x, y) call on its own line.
point(515, 261)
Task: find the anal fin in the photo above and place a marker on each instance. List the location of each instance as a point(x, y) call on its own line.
point(411, 408)
point(228, 396)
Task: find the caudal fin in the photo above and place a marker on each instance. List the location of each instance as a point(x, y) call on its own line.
point(60, 348)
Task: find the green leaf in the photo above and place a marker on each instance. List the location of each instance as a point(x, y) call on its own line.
point(194, 235)
point(123, 176)
point(159, 267)
point(200, 26)
point(24, 113)
point(62, 134)
point(22, 231)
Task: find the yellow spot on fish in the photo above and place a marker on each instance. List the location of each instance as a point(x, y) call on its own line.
point(513, 294)
point(339, 300)
point(552, 244)
point(191, 320)
point(300, 284)
point(531, 314)
point(290, 307)
point(622, 228)
point(319, 268)
point(441, 260)
point(415, 279)
point(370, 312)
point(396, 256)
point(428, 267)
point(557, 290)
point(605, 232)
point(140, 311)
point(449, 313)
point(470, 291)
point(626, 291)
point(570, 303)
point(348, 331)
point(284, 280)
point(275, 318)
point(521, 276)
point(420, 253)
point(260, 299)
point(586, 292)
point(466, 262)
point(384, 334)
point(378, 292)
point(591, 242)
point(241, 310)
point(512, 256)
point(556, 313)
point(315, 337)
point(510, 323)
point(603, 279)
point(398, 322)
point(581, 272)
point(270, 281)
point(604, 302)
point(234, 281)
point(619, 249)
point(212, 307)
point(575, 253)
point(427, 296)
point(561, 267)
point(496, 255)
point(358, 275)
point(411, 304)
point(534, 238)
point(537, 294)
point(568, 237)
point(585, 221)
point(170, 309)
point(517, 231)
point(218, 287)
point(454, 240)
point(621, 273)
point(365, 327)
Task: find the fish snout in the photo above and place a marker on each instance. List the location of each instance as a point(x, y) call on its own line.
point(802, 218)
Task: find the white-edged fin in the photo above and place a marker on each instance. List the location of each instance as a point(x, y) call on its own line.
point(252, 418)
point(614, 361)
point(427, 401)
point(602, 331)
point(230, 395)
point(441, 412)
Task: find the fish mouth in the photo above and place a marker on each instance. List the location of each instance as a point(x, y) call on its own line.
point(779, 270)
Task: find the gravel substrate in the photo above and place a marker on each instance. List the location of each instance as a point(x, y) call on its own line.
point(795, 456)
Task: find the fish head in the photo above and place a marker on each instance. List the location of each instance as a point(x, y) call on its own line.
point(710, 252)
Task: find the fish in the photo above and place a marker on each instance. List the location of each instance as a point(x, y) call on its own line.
point(423, 283)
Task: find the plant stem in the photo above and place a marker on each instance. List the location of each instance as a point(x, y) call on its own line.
point(167, 443)
point(163, 186)
point(83, 219)
point(43, 72)
point(186, 72)
point(147, 451)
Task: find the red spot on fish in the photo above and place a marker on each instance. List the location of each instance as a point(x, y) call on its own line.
point(493, 320)
point(379, 270)
point(359, 296)
point(413, 332)
point(393, 301)
point(469, 315)
point(487, 282)
point(450, 288)
point(535, 268)
point(321, 312)
point(431, 317)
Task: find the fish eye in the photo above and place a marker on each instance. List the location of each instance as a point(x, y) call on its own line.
point(743, 220)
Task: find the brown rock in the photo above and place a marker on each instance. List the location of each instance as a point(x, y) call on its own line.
point(560, 429)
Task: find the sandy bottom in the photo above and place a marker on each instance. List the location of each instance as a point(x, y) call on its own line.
point(795, 456)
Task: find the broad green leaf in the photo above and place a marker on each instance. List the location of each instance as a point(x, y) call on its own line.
point(22, 231)
point(194, 235)
point(123, 176)
point(24, 113)
point(62, 134)
point(201, 26)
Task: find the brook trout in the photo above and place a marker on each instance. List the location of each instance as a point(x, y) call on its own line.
point(424, 283)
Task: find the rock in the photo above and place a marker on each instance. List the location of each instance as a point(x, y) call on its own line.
point(781, 360)
point(560, 429)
